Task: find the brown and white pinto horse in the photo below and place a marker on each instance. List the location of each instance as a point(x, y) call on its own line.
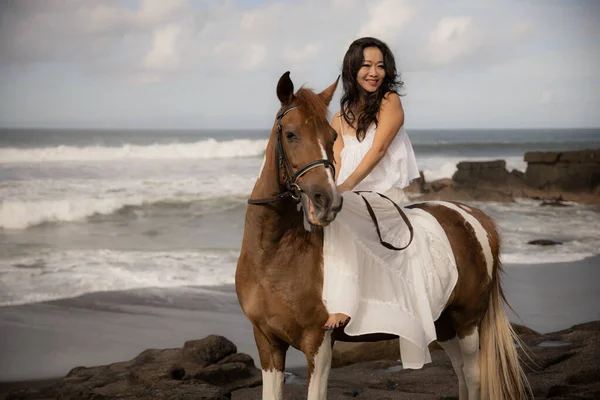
point(279, 277)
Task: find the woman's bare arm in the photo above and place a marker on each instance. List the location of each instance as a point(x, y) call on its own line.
point(391, 118)
point(338, 145)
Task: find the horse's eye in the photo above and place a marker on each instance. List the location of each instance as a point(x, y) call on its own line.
point(290, 135)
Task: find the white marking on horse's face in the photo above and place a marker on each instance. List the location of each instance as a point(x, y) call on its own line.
point(272, 384)
point(480, 233)
point(328, 170)
point(317, 387)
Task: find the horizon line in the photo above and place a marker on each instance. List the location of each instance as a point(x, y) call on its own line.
point(129, 128)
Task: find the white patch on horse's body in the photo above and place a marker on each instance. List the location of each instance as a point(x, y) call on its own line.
point(452, 348)
point(330, 177)
point(480, 232)
point(272, 384)
point(469, 347)
point(317, 387)
point(466, 208)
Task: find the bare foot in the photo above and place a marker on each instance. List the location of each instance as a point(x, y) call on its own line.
point(336, 320)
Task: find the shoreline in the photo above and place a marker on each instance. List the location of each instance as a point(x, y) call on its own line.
point(44, 341)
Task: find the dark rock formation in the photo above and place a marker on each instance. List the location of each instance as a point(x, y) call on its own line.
point(565, 365)
point(207, 369)
point(473, 172)
point(544, 242)
point(553, 203)
point(573, 171)
point(552, 177)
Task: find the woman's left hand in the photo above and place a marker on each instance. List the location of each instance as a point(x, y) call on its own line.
point(343, 187)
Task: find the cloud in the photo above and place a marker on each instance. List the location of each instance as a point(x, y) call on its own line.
point(387, 18)
point(160, 39)
point(452, 38)
point(162, 54)
point(254, 56)
point(199, 52)
point(305, 54)
point(546, 97)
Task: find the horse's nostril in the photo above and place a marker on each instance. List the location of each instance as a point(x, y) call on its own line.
point(321, 199)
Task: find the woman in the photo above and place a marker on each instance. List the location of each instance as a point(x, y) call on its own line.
point(372, 151)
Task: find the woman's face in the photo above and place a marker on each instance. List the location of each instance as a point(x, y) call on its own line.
point(371, 73)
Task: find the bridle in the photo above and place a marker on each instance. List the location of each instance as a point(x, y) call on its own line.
point(291, 189)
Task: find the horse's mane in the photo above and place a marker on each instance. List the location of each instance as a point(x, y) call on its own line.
point(310, 104)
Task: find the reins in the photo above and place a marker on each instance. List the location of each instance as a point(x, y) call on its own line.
point(291, 189)
point(374, 218)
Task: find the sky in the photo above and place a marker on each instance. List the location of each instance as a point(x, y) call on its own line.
point(206, 64)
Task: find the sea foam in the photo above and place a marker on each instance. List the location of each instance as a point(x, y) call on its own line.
point(204, 149)
point(65, 274)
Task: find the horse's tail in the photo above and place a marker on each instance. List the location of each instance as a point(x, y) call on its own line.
point(501, 374)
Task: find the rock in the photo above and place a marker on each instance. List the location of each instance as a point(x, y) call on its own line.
point(441, 184)
point(574, 376)
point(417, 185)
point(446, 190)
point(544, 242)
point(569, 176)
point(519, 175)
point(563, 372)
point(238, 357)
point(208, 350)
point(537, 157)
point(572, 171)
point(581, 156)
point(486, 171)
point(553, 203)
point(351, 353)
point(208, 369)
point(522, 330)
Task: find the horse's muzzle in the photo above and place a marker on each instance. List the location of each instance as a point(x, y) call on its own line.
point(321, 205)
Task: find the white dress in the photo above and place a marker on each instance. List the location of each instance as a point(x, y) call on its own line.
point(382, 290)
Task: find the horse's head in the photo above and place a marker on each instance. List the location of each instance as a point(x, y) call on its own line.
point(304, 150)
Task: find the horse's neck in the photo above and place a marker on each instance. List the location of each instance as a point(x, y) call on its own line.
point(275, 220)
point(279, 220)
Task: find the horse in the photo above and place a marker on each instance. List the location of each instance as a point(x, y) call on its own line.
point(279, 275)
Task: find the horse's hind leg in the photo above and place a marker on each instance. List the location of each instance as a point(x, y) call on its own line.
point(272, 360)
point(317, 348)
point(448, 340)
point(452, 348)
point(469, 347)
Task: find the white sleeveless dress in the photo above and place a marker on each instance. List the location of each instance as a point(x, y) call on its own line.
point(382, 290)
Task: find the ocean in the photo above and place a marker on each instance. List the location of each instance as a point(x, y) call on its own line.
point(84, 211)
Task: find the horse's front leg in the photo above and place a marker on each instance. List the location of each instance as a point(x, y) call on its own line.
point(272, 360)
point(317, 345)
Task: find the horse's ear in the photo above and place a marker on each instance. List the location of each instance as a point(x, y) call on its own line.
point(327, 94)
point(285, 89)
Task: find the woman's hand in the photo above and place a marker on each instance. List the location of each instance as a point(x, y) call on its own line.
point(344, 187)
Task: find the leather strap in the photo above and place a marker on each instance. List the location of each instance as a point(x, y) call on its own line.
point(374, 218)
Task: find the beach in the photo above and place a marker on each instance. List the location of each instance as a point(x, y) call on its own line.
point(115, 242)
point(46, 340)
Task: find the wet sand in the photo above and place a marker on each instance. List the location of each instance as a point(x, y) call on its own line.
point(46, 340)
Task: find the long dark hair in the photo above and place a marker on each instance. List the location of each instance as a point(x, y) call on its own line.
point(362, 114)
